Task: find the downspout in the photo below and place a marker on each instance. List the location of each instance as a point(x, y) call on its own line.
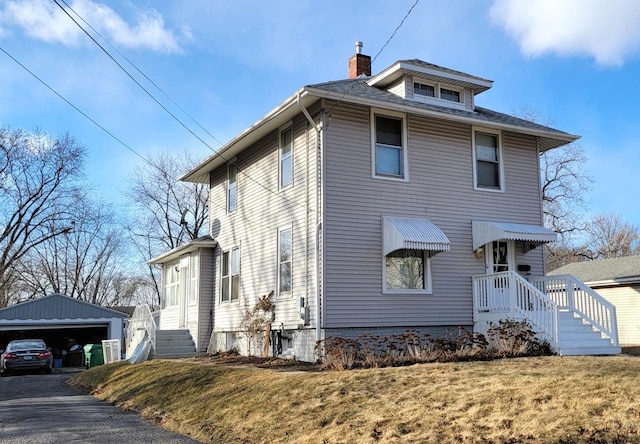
point(318, 129)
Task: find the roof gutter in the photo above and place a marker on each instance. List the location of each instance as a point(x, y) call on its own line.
point(318, 129)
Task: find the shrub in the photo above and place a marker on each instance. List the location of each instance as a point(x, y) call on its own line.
point(507, 339)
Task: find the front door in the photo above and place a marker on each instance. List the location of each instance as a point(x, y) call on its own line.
point(499, 258)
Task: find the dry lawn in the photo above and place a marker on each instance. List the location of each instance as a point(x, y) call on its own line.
point(529, 400)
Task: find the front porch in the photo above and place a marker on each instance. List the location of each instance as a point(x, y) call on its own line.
point(573, 318)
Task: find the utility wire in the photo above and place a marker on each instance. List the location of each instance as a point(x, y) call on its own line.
point(393, 34)
point(76, 108)
point(248, 176)
point(141, 73)
point(85, 115)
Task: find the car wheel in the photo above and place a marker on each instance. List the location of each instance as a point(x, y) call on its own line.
point(4, 373)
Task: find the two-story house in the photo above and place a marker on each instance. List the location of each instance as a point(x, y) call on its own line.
point(388, 202)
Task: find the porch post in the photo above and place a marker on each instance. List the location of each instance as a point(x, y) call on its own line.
point(513, 297)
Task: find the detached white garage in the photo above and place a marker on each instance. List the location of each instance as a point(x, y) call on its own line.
point(64, 323)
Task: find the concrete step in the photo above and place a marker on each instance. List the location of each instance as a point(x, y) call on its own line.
point(589, 351)
point(172, 344)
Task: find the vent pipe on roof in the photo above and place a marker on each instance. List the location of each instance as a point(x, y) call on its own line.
point(359, 63)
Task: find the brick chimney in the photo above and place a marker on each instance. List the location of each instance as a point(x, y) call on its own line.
point(359, 63)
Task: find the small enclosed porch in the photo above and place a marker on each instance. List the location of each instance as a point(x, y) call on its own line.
point(572, 317)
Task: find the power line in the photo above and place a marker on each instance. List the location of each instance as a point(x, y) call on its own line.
point(393, 34)
point(85, 115)
point(76, 108)
point(248, 176)
point(141, 72)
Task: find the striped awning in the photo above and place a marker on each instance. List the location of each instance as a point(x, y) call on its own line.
point(412, 234)
point(484, 232)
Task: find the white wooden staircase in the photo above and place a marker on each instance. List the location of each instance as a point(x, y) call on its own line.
point(563, 310)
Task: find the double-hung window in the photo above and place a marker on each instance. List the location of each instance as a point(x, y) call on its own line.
point(389, 146)
point(285, 255)
point(232, 187)
point(230, 285)
point(408, 271)
point(286, 157)
point(487, 154)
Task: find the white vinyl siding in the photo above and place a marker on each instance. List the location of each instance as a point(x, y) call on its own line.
point(440, 157)
point(263, 214)
point(627, 302)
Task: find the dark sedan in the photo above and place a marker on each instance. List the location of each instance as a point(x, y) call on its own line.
point(26, 354)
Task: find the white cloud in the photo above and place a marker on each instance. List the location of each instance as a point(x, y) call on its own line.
point(44, 20)
point(608, 30)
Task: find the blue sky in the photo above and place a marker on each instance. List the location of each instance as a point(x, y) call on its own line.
point(577, 62)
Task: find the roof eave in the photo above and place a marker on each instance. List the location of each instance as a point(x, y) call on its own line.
point(200, 173)
point(381, 79)
point(550, 139)
point(182, 250)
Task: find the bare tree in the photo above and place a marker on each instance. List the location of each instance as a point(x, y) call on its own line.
point(38, 182)
point(564, 186)
point(165, 213)
point(608, 236)
point(87, 262)
point(565, 182)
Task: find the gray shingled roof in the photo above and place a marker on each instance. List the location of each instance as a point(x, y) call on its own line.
point(57, 306)
point(358, 87)
point(618, 269)
point(441, 68)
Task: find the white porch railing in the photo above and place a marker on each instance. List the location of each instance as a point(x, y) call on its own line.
point(141, 332)
point(571, 294)
point(507, 295)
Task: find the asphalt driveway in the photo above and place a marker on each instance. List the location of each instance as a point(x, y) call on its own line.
point(39, 409)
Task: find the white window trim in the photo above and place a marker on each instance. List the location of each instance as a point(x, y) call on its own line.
point(288, 126)
point(405, 143)
point(286, 293)
point(168, 286)
point(428, 279)
point(229, 250)
point(437, 100)
point(498, 134)
point(227, 187)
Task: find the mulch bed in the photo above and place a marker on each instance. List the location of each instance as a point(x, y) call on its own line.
point(235, 360)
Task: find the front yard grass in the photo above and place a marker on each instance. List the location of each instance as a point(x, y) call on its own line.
point(529, 400)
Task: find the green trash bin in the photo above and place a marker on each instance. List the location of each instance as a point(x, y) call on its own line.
point(93, 355)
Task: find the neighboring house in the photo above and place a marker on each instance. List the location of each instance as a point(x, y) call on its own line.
point(618, 281)
point(385, 203)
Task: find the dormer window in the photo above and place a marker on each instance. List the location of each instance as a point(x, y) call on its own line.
point(422, 89)
point(428, 92)
point(450, 94)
